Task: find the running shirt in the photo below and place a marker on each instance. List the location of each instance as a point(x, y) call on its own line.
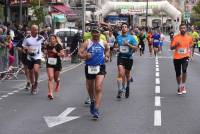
point(34, 44)
point(156, 39)
point(125, 51)
point(194, 35)
point(183, 50)
point(111, 40)
point(52, 58)
point(97, 51)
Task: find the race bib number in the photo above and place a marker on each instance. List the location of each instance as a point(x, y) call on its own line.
point(182, 50)
point(93, 69)
point(33, 49)
point(156, 41)
point(124, 49)
point(52, 61)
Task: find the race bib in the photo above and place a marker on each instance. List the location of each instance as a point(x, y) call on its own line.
point(182, 50)
point(52, 61)
point(124, 49)
point(33, 49)
point(111, 44)
point(93, 69)
point(156, 41)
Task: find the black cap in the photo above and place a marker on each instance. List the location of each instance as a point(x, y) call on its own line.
point(95, 29)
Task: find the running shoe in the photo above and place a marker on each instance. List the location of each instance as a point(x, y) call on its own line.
point(28, 85)
point(119, 94)
point(50, 97)
point(96, 114)
point(179, 92)
point(127, 92)
point(183, 90)
point(88, 101)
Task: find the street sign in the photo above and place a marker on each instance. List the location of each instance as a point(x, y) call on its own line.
point(53, 121)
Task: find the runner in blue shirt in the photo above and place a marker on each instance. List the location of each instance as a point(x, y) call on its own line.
point(127, 45)
point(96, 53)
point(156, 42)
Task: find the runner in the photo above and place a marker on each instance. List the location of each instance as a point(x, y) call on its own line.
point(111, 41)
point(149, 40)
point(195, 37)
point(181, 45)
point(88, 35)
point(156, 42)
point(127, 45)
point(32, 46)
point(53, 52)
point(94, 51)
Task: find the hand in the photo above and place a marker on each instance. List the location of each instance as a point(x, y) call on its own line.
point(106, 58)
point(54, 51)
point(126, 43)
point(88, 55)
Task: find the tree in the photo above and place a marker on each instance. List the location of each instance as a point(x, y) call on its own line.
point(196, 14)
point(38, 11)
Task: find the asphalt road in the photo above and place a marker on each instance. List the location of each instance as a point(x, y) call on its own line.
point(153, 106)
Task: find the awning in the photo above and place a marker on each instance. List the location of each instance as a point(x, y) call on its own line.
point(64, 9)
point(59, 18)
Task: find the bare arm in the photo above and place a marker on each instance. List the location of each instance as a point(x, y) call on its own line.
point(82, 51)
point(107, 51)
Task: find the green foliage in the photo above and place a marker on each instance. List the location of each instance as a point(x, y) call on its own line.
point(196, 8)
point(38, 8)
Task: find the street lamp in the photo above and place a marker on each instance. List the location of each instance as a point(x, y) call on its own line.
point(147, 6)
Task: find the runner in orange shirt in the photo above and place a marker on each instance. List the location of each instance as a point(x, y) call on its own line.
point(181, 45)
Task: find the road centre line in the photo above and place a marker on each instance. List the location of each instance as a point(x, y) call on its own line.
point(157, 101)
point(157, 89)
point(157, 66)
point(157, 74)
point(157, 118)
point(157, 69)
point(157, 81)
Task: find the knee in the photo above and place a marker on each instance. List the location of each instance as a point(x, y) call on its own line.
point(50, 78)
point(98, 89)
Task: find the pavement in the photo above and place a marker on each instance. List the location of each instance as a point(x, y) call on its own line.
point(153, 107)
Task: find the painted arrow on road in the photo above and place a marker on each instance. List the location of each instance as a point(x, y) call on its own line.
point(60, 119)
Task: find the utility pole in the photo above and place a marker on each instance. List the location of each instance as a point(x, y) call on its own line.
point(84, 10)
point(20, 12)
point(147, 6)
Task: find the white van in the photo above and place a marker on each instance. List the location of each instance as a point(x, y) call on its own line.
point(66, 35)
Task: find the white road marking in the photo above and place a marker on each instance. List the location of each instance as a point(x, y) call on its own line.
point(157, 74)
point(11, 93)
point(157, 66)
point(4, 96)
point(157, 118)
point(16, 91)
point(60, 119)
point(157, 81)
point(157, 69)
point(157, 89)
point(197, 54)
point(21, 86)
point(157, 101)
point(157, 63)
